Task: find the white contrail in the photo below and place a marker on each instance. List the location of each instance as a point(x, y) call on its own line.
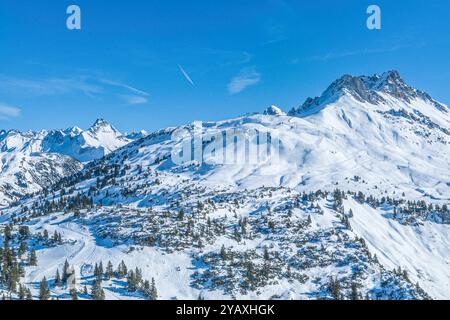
point(185, 74)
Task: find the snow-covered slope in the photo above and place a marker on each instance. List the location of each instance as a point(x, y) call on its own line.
point(31, 161)
point(391, 142)
point(258, 224)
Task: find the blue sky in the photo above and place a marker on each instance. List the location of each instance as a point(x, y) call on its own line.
point(151, 64)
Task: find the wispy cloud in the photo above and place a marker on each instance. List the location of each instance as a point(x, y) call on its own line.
point(367, 51)
point(247, 77)
point(124, 86)
point(276, 33)
point(88, 85)
point(134, 100)
point(49, 87)
point(8, 111)
point(186, 75)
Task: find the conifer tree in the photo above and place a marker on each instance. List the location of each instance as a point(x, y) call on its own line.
point(97, 292)
point(44, 291)
point(22, 292)
point(153, 291)
point(355, 294)
point(73, 294)
point(131, 281)
point(65, 274)
point(109, 271)
point(32, 258)
point(335, 288)
point(58, 280)
point(122, 270)
point(223, 253)
point(23, 248)
point(29, 296)
point(266, 253)
point(45, 235)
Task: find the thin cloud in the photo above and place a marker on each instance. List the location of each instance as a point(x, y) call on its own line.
point(7, 111)
point(186, 75)
point(49, 87)
point(88, 85)
point(346, 54)
point(246, 78)
point(135, 100)
point(125, 86)
point(276, 33)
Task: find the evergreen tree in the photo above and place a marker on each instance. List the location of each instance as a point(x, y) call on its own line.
point(58, 280)
point(97, 292)
point(153, 291)
point(132, 283)
point(146, 289)
point(45, 236)
point(32, 258)
point(109, 271)
point(22, 292)
point(100, 270)
point(29, 296)
point(223, 253)
point(24, 232)
point(44, 291)
point(55, 237)
point(73, 294)
point(266, 253)
point(355, 294)
point(335, 288)
point(122, 270)
point(23, 248)
point(65, 274)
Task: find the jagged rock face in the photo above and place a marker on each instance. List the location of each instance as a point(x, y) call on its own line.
point(94, 143)
point(274, 111)
point(137, 135)
point(370, 89)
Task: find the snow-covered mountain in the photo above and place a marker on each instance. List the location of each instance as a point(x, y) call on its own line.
point(397, 140)
point(31, 161)
point(274, 111)
point(99, 140)
point(345, 197)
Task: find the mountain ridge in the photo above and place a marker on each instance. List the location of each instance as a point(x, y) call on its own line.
point(369, 89)
point(22, 154)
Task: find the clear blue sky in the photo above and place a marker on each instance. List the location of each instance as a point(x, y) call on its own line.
point(156, 63)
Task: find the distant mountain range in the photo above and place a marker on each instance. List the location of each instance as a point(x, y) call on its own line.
point(34, 160)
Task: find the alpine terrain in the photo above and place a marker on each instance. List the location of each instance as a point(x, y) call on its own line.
point(31, 161)
point(343, 197)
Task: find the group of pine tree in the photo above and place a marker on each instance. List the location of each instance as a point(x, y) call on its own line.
point(13, 262)
point(135, 282)
point(14, 259)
